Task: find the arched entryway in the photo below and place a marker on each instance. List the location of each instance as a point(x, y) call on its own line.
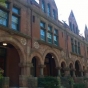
point(71, 69)
point(62, 71)
point(50, 66)
point(77, 67)
point(35, 69)
point(9, 62)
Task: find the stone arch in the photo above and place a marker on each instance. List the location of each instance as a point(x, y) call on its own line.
point(79, 62)
point(53, 53)
point(62, 60)
point(78, 68)
point(16, 44)
point(38, 56)
point(70, 63)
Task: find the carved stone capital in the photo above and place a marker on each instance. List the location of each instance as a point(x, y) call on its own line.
point(42, 66)
point(67, 69)
point(25, 64)
point(72, 69)
point(58, 68)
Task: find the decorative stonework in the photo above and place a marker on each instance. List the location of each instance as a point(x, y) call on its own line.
point(87, 61)
point(70, 55)
point(82, 59)
point(23, 41)
point(42, 49)
point(28, 49)
point(36, 45)
point(62, 53)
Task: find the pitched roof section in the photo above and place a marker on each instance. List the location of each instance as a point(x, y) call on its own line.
point(72, 18)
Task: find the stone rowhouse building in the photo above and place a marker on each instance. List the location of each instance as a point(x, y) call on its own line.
point(33, 42)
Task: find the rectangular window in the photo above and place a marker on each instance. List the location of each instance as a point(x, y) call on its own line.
point(49, 28)
point(3, 17)
point(42, 31)
point(49, 37)
point(42, 24)
point(15, 18)
point(55, 37)
point(71, 26)
point(43, 5)
point(48, 10)
point(54, 14)
point(79, 48)
point(75, 46)
point(15, 22)
point(72, 45)
point(56, 31)
point(55, 40)
point(15, 10)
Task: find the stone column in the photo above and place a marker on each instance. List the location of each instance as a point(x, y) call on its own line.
point(81, 73)
point(25, 73)
point(73, 69)
point(86, 73)
point(26, 68)
point(58, 70)
point(67, 71)
point(41, 70)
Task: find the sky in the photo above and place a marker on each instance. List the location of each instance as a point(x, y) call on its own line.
point(79, 8)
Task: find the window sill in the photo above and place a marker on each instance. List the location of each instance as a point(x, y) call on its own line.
point(77, 54)
point(14, 32)
point(50, 45)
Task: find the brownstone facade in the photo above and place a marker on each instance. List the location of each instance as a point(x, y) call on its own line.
point(63, 51)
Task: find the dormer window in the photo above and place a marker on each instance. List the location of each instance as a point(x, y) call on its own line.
point(43, 5)
point(54, 14)
point(48, 10)
point(71, 26)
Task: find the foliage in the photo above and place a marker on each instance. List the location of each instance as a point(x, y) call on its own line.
point(3, 1)
point(49, 82)
point(79, 85)
point(71, 81)
point(1, 75)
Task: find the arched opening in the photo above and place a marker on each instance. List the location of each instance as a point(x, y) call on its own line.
point(9, 62)
point(71, 71)
point(50, 69)
point(62, 71)
point(35, 70)
point(83, 70)
point(77, 67)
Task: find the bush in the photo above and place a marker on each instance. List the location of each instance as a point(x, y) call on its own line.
point(79, 85)
point(49, 82)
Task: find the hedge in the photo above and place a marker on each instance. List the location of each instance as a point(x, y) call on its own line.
point(49, 82)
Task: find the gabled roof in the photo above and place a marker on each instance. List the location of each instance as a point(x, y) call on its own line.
point(72, 17)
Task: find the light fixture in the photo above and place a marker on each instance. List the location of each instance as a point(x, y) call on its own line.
point(52, 57)
point(4, 44)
